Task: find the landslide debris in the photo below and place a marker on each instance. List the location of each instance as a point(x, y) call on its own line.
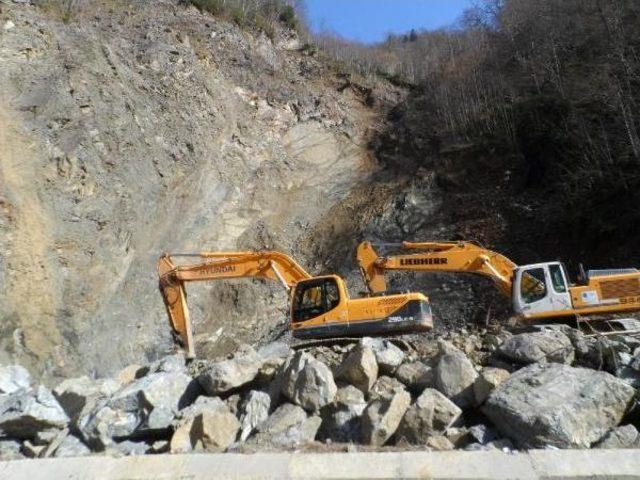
point(295, 403)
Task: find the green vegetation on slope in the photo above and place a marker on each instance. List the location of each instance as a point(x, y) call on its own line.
point(552, 87)
point(263, 14)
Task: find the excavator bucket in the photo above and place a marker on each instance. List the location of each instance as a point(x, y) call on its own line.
point(174, 296)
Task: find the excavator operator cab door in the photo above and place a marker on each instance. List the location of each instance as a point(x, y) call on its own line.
point(314, 298)
point(542, 288)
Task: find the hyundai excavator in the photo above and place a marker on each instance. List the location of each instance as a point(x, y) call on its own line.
point(320, 306)
point(537, 291)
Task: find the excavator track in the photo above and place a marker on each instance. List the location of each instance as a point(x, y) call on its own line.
point(329, 342)
point(606, 325)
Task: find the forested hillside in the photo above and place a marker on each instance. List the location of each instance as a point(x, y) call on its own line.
point(544, 95)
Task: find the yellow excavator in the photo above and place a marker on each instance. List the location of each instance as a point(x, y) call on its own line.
point(537, 291)
point(320, 306)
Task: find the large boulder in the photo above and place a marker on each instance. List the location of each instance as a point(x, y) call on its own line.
point(287, 426)
point(558, 405)
point(255, 410)
point(431, 414)
point(459, 436)
point(635, 360)
point(13, 378)
point(360, 368)
point(215, 430)
point(385, 387)
point(185, 438)
point(171, 363)
point(10, 450)
point(102, 427)
point(341, 419)
point(482, 434)
point(182, 440)
point(202, 404)
point(75, 394)
point(626, 436)
point(610, 350)
point(170, 390)
point(24, 413)
point(488, 380)
point(589, 351)
point(454, 375)
point(158, 396)
point(542, 346)
point(439, 443)
point(416, 376)
point(382, 417)
point(628, 375)
point(222, 377)
point(146, 407)
point(388, 356)
point(71, 446)
point(272, 356)
point(308, 382)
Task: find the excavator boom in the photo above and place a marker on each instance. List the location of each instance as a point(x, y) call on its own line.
point(217, 266)
point(464, 257)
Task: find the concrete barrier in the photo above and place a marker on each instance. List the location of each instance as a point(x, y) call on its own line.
point(564, 464)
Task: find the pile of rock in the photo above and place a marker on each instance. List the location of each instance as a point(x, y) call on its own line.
point(533, 390)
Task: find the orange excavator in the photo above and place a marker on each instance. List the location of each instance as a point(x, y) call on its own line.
point(320, 306)
point(537, 291)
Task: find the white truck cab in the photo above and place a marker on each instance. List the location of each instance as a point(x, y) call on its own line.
point(541, 288)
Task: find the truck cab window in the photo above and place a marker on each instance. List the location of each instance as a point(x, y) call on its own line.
point(533, 286)
point(559, 284)
point(313, 299)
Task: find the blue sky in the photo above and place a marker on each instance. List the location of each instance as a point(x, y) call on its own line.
point(371, 20)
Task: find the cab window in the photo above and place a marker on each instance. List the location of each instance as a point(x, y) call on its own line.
point(533, 286)
point(313, 299)
point(557, 279)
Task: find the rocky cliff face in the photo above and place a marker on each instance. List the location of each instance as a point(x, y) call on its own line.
point(142, 127)
point(133, 128)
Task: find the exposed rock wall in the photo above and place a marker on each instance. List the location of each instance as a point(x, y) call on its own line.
point(142, 127)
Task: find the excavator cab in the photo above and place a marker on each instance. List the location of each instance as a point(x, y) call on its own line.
point(540, 289)
point(321, 308)
point(313, 298)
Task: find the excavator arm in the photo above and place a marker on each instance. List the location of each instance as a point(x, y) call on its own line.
point(217, 266)
point(463, 257)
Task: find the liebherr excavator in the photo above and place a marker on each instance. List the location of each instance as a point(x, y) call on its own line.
point(537, 291)
point(320, 306)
